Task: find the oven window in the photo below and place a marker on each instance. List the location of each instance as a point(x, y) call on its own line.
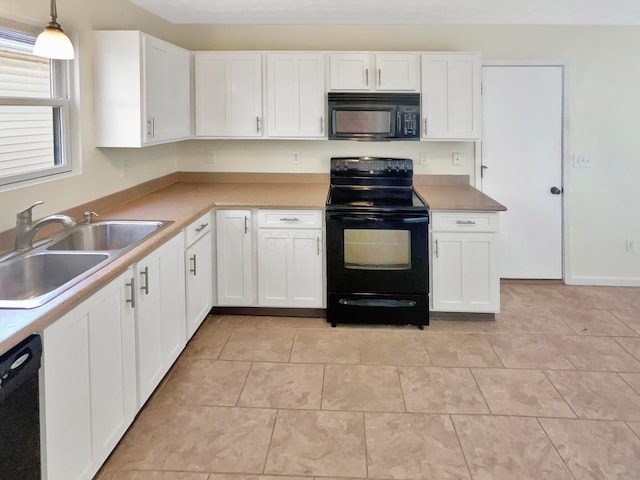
point(370, 249)
point(363, 121)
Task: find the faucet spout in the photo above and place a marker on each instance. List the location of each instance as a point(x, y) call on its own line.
point(25, 230)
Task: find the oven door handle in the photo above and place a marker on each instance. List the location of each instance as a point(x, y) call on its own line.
point(377, 302)
point(358, 218)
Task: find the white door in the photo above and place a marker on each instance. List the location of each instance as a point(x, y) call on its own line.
point(522, 163)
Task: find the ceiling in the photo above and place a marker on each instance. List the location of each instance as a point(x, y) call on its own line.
point(384, 12)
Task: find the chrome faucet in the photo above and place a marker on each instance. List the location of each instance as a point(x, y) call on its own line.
point(25, 229)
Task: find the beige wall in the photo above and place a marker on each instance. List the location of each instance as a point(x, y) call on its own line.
point(603, 98)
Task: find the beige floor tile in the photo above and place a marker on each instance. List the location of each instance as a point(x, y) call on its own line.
point(520, 392)
point(283, 385)
point(599, 354)
point(594, 321)
point(529, 351)
point(201, 381)
point(209, 340)
point(629, 316)
point(631, 345)
point(393, 348)
point(228, 476)
point(460, 350)
point(632, 379)
point(440, 390)
point(259, 344)
point(597, 395)
point(508, 448)
point(262, 321)
point(635, 426)
point(154, 475)
point(334, 345)
point(595, 449)
point(362, 388)
point(413, 446)
point(318, 443)
point(148, 441)
point(532, 320)
point(223, 439)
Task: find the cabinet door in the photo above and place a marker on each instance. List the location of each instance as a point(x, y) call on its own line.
point(161, 329)
point(351, 71)
point(397, 71)
point(89, 382)
point(295, 94)
point(199, 282)
point(290, 268)
point(228, 94)
point(465, 277)
point(234, 257)
point(451, 96)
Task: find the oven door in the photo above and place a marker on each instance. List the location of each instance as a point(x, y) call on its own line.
point(377, 253)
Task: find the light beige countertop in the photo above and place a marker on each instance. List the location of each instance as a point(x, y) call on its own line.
point(184, 202)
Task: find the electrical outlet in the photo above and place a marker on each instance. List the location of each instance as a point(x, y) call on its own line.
point(424, 158)
point(457, 159)
point(631, 245)
point(211, 156)
point(581, 161)
point(296, 158)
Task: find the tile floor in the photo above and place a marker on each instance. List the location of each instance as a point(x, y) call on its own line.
point(549, 390)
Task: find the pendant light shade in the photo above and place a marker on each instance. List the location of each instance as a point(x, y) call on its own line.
point(52, 42)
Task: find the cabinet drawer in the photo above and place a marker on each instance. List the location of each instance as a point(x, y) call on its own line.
point(464, 221)
point(197, 229)
point(290, 219)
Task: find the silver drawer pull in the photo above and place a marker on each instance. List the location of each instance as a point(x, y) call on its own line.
point(132, 287)
point(289, 219)
point(145, 286)
point(465, 222)
point(202, 227)
point(194, 269)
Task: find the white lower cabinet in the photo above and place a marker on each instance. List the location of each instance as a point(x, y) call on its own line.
point(464, 262)
point(160, 322)
point(89, 382)
point(198, 258)
point(278, 264)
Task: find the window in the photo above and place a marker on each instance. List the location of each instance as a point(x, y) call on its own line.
point(34, 112)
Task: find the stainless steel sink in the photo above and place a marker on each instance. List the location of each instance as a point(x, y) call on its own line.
point(107, 235)
point(31, 280)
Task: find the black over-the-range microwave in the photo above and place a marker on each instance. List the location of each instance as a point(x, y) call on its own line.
point(374, 116)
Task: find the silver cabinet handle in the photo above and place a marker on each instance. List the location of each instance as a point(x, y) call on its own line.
point(425, 125)
point(321, 124)
point(151, 127)
point(435, 251)
point(318, 245)
point(289, 219)
point(366, 77)
point(465, 222)
point(379, 76)
point(246, 224)
point(194, 269)
point(132, 288)
point(202, 227)
point(145, 286)
point(257, 124)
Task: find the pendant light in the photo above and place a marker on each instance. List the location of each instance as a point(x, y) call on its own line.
point(52, 42)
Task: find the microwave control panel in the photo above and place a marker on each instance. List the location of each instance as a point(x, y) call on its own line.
point(410, 123)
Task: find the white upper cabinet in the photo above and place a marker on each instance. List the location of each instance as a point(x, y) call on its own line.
point(364, 71)
point(451, 96)
point(142, 90)
point(295, 95)
point(228, 94)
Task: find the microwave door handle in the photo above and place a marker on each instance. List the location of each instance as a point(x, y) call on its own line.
point(398, 124)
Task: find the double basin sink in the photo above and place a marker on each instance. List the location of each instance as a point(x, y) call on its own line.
point(33, 278)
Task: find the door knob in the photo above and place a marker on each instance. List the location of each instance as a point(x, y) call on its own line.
point(556, 190)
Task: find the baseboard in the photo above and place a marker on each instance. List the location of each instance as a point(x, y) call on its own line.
point(271, 311)
point(603, 281)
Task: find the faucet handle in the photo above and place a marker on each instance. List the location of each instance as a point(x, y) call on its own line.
point(87, 216)
point(26, 213)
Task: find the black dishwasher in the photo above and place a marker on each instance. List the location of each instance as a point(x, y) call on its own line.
point(20, 412)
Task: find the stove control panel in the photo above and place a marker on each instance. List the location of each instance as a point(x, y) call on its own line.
point(371, 166)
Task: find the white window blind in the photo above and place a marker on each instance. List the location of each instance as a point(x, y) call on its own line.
point(33, 115)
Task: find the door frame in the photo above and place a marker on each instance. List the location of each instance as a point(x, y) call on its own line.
point(564, 155)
